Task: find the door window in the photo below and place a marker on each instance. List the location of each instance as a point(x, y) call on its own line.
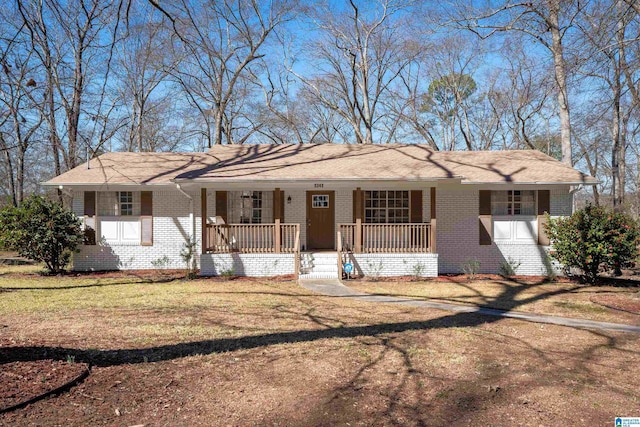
point(320, 201)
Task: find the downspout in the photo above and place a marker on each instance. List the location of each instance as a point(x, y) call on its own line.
point(572, 190)
point(191, 216)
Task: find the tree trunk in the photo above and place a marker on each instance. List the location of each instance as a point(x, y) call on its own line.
point(561, 82)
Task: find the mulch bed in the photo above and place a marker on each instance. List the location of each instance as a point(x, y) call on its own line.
point(27, 380)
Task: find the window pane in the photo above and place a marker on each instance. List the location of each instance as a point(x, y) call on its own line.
point(126, 203)
point(386, 206)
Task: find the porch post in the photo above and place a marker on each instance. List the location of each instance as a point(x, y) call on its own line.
point(203, 221)
point(433, 219)
point(358, 245)
point(277, 215)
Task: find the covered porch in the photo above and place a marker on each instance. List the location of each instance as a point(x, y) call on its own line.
point(319, 226)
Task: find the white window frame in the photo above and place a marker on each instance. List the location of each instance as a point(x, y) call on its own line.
point(118, 219)
point(510, 224)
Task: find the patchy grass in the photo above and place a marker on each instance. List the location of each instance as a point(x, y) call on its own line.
point(562, 298)
point(260, 352)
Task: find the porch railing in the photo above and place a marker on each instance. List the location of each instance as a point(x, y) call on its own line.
point(372, 238)
point(252, 238)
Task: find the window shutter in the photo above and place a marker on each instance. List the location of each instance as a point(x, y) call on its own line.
point(358, 209)
point(221, 205)
point(89, 217)
point(146, 218)
point(416, 206)
point(354, 206)
point(484, 218)
point(544, 206)
point(278, 205)
point(282, 206)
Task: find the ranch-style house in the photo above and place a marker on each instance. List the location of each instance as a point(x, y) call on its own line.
point(266, 210)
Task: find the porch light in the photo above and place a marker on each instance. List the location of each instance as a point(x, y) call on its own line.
point(289, 200)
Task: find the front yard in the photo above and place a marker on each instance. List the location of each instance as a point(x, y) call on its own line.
point(260, 352)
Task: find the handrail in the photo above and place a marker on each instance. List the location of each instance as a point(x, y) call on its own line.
point(296, 258)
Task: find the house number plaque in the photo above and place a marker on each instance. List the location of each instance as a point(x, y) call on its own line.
point(318, 185)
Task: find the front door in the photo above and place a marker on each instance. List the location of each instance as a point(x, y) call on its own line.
point(320, 219)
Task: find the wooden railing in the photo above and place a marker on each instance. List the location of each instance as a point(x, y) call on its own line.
point(253, 238)
point(371, 238)
point(296, 258)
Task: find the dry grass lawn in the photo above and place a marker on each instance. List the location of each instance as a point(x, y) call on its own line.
point(259, 352)
point(620, 304)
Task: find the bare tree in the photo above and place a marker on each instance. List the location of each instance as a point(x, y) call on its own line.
point(546, 22)
point(69, 38)
point(142, 74)
point(20, 120)
point(604, 30)
point(220, 42)
point(359, 56)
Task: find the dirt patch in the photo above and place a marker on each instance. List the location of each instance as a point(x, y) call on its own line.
point(25, 381)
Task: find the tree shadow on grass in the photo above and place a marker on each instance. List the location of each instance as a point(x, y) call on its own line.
point(105, 358)
point(140, 281)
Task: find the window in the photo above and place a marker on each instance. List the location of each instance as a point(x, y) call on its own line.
point(126, 203)
point(119, 203)
point(382, 207)
point(251, 207)
point(119, 216)
point(513, 202)
point(321, 201)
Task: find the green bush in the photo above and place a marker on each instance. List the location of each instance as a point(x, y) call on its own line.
point(593, 238)
point(41, 230)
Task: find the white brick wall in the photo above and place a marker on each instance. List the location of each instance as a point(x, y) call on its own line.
point(397, 264)
point(296, 212)
point(256, 265)
point(561, 202)
point(457, 235)
point(171, 228)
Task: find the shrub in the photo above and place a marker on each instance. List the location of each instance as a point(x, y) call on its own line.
point(509, 267)
point(470, 268)
point(188, 255)
point(593, 238)
point(41, 230)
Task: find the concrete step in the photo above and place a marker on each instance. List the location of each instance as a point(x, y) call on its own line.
point(315, 275)
point(319, 265)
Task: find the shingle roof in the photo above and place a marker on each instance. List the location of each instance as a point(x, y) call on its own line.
point(233, 163)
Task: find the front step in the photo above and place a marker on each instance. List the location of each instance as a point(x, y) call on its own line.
point(319, 265)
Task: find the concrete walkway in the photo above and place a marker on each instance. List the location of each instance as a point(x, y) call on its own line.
point(333, 287)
